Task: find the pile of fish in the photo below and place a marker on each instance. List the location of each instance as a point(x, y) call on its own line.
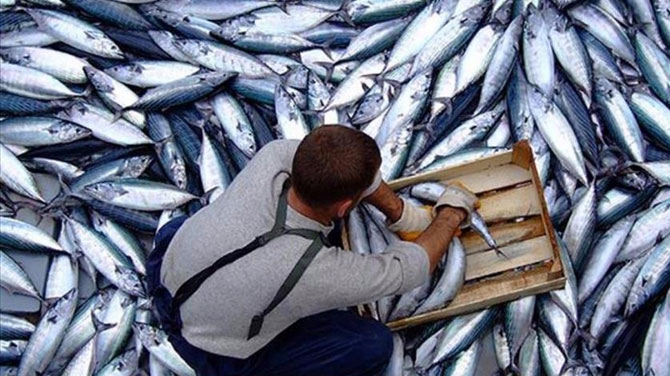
point(143, 110)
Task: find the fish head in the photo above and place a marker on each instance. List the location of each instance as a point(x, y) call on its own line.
point(238, 26)
point(555, 20)
point(97, 220)
point(125, 72)
point(16, 56)
point(105, 191)
point(69, 131)
point(179, 173)
point(149, 335)
point(127, 361)
point(297, 77)
point(161, 36)
point(534, 21)
point(605, 88)
point(228, 34)
point(99, 79)
point(537, 99)
point(503, 14)
point(135, 166)
point(113, 49)
point(76, 110)
point(129, 281)
point(63, 306)
point(473, 15)
point(168, 18)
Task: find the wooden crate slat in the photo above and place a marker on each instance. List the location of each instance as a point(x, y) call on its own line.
point(510, 204)
point(523, 150)
point(493, 178)
point(504, 233)
point(468, 168)
point(527, 252)
point(485, 294)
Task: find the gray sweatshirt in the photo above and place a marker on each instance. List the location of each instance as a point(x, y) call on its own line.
point(216, 317)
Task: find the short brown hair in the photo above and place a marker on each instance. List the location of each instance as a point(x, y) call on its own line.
point(334, 163)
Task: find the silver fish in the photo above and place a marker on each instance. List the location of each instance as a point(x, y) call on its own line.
point(450, 282)
point(653, 360)
point(118, 317)
point(76, 32)
point(47, 336)
point(155, 340)
point(106, 258)
point(151, 73)
point(602, 256)
point(235, 122)
point(538, 59)
point(12, 327)
point(419, 31)
point(24, 236)
point(60, 65)
point(647, 230)
point(33, 83)
point(14, 279)
point(139, 194)
point(557, 132)
point(501, 65)
point(651, 280)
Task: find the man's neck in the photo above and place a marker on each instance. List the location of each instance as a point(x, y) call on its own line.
point(301, 207)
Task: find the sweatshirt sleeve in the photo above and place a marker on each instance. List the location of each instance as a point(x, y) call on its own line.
point(355, 279)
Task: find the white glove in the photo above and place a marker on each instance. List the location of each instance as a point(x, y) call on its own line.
point(413, 221)
point(457, 196)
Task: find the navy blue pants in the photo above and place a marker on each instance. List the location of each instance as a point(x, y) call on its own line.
point(337, 343)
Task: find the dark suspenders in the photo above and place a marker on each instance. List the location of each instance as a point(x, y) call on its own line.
point(186, 290)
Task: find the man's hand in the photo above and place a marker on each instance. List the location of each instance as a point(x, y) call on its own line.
point(435, 240)
point(456, 195)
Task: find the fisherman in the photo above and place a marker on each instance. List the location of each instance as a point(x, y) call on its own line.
point(254, 285)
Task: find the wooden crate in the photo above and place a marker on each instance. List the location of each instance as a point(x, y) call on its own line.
point(513, 205)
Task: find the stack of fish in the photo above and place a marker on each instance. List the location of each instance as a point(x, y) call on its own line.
point(144, 110)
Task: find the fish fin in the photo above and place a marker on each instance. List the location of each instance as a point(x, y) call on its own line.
point(345, 16)
point(118, 114)
point(206, 110)
point(421, 127)
point(329, 67)
point(87, 91)
point(446, 102)
point(591, 341)
point(512, 369)
point(659, 239)
point(326, 48)
point(100, 325)
point(204, 200)
point(397, 85)
point(569, 364)
point(58, 201)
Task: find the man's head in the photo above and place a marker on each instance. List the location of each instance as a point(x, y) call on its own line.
point(332, 167)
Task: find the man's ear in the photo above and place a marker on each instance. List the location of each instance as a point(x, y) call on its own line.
point(343, 207)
